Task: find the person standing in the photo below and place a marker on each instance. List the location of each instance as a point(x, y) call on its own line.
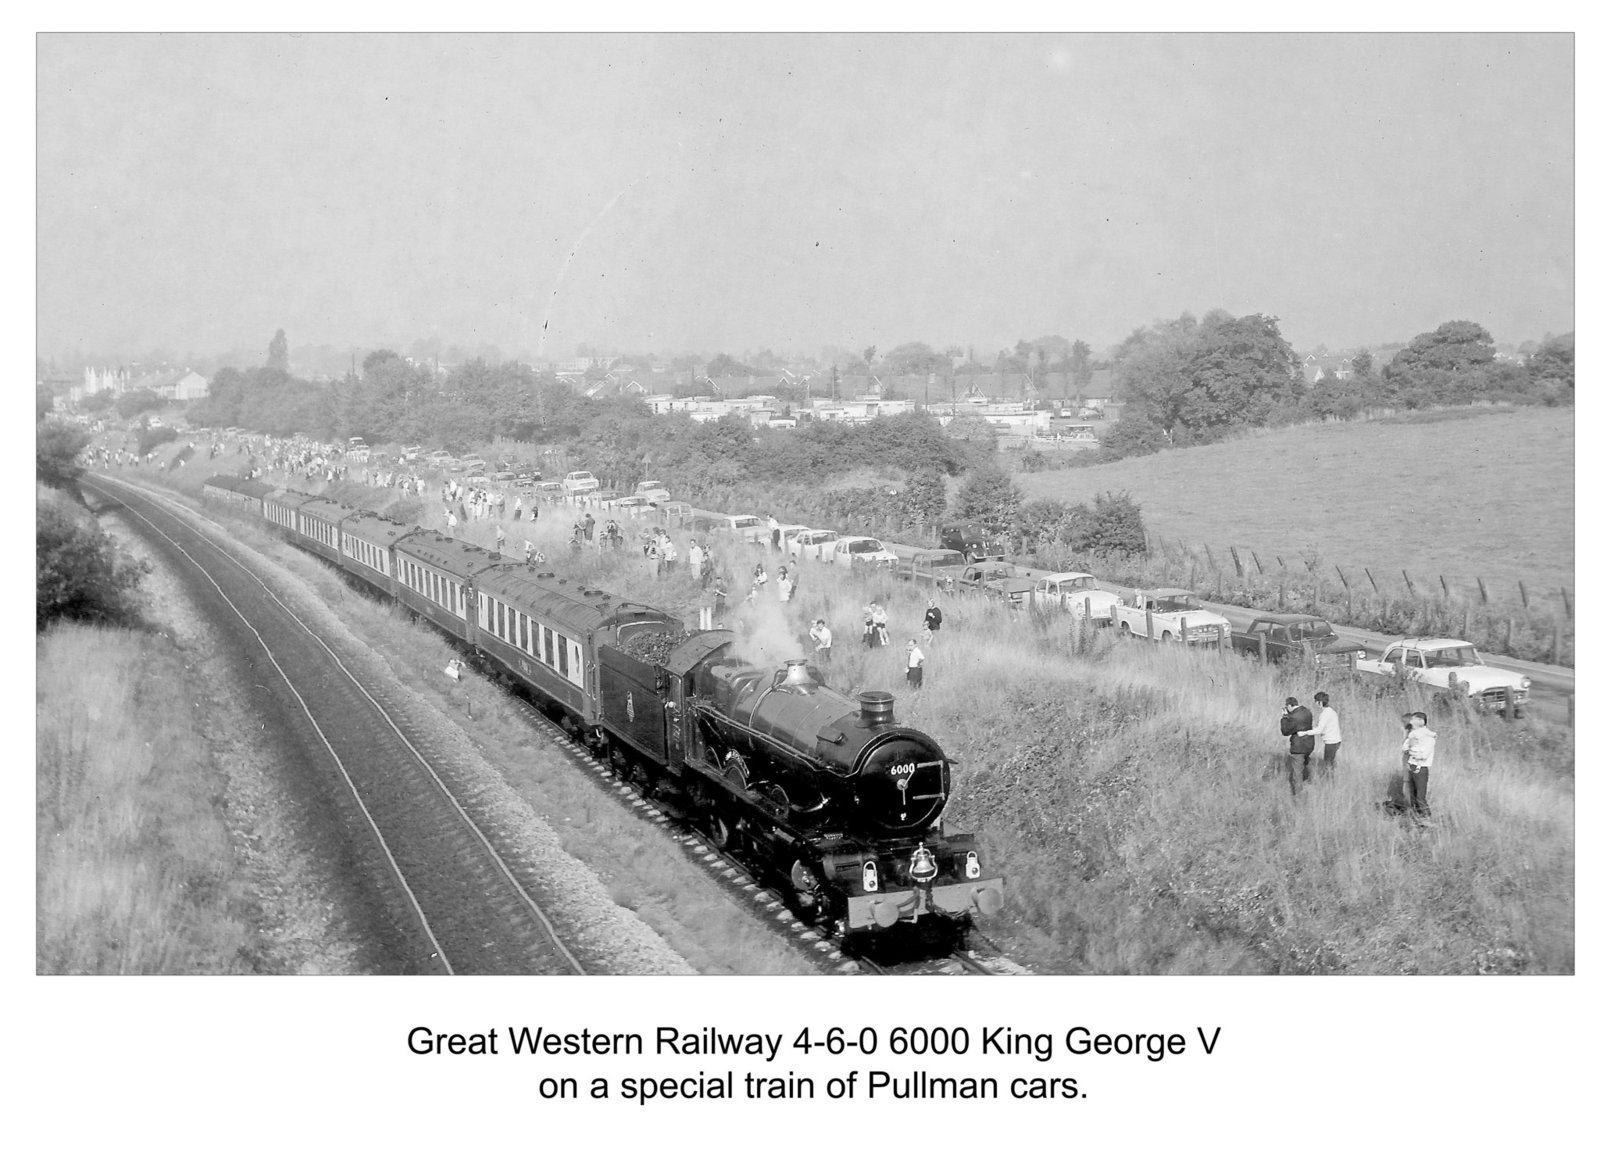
point(880, 623)
point(669, 554)
point(588, 525)
point(932, 619)
point(822, 641)
point(527, 550)
point(499, 538)
point(449, 524)
point(869, 631)
point(696, 558)
point(1328, 729)
point(785, 585)
point(1296, 725)
point(516, 512)
point(772, 526)
point(914, 659)
point(1417, 752)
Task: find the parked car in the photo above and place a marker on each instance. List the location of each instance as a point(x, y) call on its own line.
point(653, 491)
point(862, 551)
point(1172, 615)
point(633, 505)
point(1079, 593)
point(746, 527)
point(815, 543)
point(786, 535)
point(1287, 635)
point(1446, 664)
point(974, 542)
point(551, 491)
point(580, 483)
point(940, 567)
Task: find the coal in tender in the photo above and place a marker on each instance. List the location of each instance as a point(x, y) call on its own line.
point(653, 647)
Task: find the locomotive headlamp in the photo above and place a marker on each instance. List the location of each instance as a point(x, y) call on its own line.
point(973, 868)
point(923, 867)
point(869, 876)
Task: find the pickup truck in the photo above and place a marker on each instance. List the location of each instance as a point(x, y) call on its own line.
point(939, 568)
point(1171, 615)
point(1285, 636)
point(1079, 593)
point(1441, 663)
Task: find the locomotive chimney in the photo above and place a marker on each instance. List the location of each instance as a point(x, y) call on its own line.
point(877, 708)
point(797, 675)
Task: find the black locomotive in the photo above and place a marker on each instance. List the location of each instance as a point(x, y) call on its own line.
point(829, 795)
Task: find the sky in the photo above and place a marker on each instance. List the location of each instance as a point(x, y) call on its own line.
point(713, 193)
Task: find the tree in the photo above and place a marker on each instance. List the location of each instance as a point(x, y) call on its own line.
point(1455, 346)
point(137, 401)
point(1197, 380)
point(78, 575)
point(924, 497)
point(1115, 523)
point(1079, 365)
point(989, 497)
point(1554, 363)
point(56, 448)
point(278, 352)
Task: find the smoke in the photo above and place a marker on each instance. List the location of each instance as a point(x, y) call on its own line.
point(762, 633)
point(572, 253)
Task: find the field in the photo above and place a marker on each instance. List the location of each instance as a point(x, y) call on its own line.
point(1477, 493)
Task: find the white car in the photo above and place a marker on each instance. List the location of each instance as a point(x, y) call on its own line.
point(579, 483)
point(815, 543)
point(1171, 615)
point(1080, 593)
point(653, 491)
point(1442, 663)
point(786, 534)
point(634, 505)
point(862, 551)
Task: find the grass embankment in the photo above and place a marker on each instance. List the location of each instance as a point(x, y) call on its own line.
point(1135, 799)
point(136, 871)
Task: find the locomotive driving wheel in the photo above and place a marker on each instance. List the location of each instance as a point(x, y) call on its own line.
point(722, 833)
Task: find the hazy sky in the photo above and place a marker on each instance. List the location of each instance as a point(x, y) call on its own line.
point(785, 191)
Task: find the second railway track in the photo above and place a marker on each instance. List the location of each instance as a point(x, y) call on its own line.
point(448, 886)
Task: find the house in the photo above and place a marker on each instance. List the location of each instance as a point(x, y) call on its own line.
point(178, 385)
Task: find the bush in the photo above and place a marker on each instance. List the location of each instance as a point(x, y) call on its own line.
point(56, 448)
point(79, 575)
point(154, 437)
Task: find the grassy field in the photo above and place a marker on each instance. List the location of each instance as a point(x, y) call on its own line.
point(1487, 493)
point(136, 871)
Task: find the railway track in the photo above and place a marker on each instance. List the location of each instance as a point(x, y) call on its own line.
point(444, 881)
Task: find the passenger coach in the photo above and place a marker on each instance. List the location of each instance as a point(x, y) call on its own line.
point(546, 632)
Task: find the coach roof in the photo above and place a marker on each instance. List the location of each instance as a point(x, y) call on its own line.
point(375, 528)
point(451, 555)
point(560, 601)
point(253, 487)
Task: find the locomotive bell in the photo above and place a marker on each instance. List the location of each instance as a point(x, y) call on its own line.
point(877, 708)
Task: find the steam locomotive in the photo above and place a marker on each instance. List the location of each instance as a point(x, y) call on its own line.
point(828, 795)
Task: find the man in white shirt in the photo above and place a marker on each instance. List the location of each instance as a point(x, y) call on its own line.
point(914, 659)
point(822, 639)
point(1328, 729)
point(1417, 751)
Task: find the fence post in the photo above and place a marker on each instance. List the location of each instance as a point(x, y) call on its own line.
point(1183, 628)
point(1280, 595)
point(1192, 567)
point(1374, 582)
point(1349, 596)
point(1149, 624)
point(1567, 600)
point(1259, 569)
point(1237, 566)
point(1445, 586)
point(1482, 591)
point(1523, 588)
point(1555, 645)
point(1410, 587)
point(1466, 623)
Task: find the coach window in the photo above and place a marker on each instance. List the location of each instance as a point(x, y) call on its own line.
point(576, 674)
point(561, 654)
point(548, 655)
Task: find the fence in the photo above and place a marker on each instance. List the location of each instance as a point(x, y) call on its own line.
point(1502, 617)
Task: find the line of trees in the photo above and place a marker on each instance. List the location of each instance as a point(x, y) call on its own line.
point(1189, 380)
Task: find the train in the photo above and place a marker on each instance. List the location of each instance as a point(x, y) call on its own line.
point(827, 796)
